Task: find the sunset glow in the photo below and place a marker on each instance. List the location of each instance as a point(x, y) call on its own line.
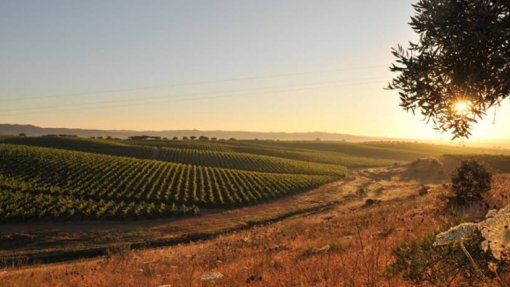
point(462, 107)
point(229, 69)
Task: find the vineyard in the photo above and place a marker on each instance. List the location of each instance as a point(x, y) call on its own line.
point(200, 155)
point(75, 178)
point(497, 163)
point(49, 183)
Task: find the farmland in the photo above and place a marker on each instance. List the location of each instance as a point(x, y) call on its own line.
point(67, 184)
point(66, 197)
point(68, 178)
point(319, 247)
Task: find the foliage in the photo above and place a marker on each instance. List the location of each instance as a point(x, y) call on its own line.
point(40, 182)
point(497, 163)
point(370, 201)
point(421, 262)
point(470, 181)
point(181, 153)
point(267, 156)
point(462, 55)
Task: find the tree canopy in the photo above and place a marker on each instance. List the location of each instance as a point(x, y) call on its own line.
point(459, 67)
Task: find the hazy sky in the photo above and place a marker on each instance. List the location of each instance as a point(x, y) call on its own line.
point(260, 65)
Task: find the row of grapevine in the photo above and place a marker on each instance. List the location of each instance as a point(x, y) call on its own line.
point(110, 147)
point(244, 161)
point(195, 156)
point(21, 205)
point(319, 158)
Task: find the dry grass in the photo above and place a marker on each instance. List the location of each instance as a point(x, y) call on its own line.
point(347, 246)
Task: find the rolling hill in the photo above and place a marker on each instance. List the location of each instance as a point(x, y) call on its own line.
point(69, 178)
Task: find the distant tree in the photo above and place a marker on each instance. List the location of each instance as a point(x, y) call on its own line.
point(203, 138)
point(214, 139)
point(175, 138)
point(185, 138)
point(459, 67)
point(100, 138)
point(193, 138)
point(470, 181)
point(232, 139)
point(108, 137)
point(144, 137)
point(22, 135)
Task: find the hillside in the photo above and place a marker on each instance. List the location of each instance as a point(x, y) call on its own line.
point(74, 185)
point(77, 178)
point(242, 153)
point(31, 130)
point(68, 197)
point(342, 240)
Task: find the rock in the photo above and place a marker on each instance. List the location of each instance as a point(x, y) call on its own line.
point(148, 262)
point(324, 248)
point(456, 234)
point(211, 276)
point(495, 229)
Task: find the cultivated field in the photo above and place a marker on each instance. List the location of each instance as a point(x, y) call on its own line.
point(70, 178)
point(347, 243)
point(64, 198)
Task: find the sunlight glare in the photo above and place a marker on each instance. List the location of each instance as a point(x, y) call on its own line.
point(462, 107)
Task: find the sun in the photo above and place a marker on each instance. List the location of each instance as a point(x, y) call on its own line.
point(462, 107)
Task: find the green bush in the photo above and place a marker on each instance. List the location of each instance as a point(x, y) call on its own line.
point(422, 263)
point(470, 181)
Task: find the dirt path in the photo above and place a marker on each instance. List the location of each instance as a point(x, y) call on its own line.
point(59, 241)
point(210, 218)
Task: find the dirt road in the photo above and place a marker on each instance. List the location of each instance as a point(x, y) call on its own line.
point(58, 241)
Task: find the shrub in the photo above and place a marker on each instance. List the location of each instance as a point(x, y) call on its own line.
point(370, 202)
point(361, 191)
point(423, 190)
point(121, 251)
point(470, 181)
point(421, 262)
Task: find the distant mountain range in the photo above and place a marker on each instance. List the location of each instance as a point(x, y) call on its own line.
point(31, 130)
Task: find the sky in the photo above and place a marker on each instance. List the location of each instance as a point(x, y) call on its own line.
point(265, 65)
